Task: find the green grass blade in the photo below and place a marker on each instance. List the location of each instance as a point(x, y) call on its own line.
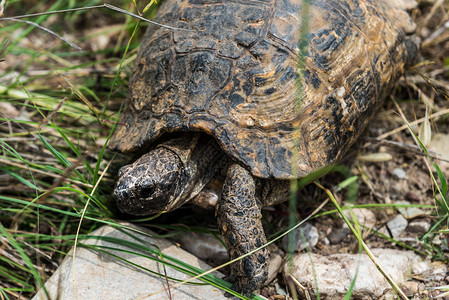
point(74, 149)
point(61, 158)
point(443, 180)
point(347, 182)
point(53, 209)
point(26, 259)
point(20, 179)
point(56, 154)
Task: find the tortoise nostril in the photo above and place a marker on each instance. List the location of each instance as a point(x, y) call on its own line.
point(121, 194)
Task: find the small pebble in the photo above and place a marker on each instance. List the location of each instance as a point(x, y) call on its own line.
point(399, 173)
point(412, 197)
point(418, 226)
point(338, 235)
point(310, 234)
point(364, 216)
point(410, 212)
point(397, 225)
point(280, 290)
point(383, 230)
point(274, 267)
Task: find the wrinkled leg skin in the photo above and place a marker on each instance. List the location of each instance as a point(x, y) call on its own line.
point(239, 219)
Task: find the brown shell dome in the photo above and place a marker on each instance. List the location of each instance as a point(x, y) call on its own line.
point(239, 76)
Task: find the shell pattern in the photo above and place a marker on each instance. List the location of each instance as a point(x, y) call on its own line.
point(240, 76)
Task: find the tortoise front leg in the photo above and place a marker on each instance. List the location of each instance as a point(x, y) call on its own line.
point(239, 220)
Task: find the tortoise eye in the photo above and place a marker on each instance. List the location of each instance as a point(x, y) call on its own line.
point(147, 191)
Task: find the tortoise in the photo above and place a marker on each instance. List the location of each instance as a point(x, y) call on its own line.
point(266, 91)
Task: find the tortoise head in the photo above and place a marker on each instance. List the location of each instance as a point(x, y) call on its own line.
point(152, 184)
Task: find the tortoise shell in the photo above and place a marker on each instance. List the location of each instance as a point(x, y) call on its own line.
point(239, 74)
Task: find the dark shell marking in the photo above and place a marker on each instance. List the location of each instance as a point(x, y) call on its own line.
point(235, 78)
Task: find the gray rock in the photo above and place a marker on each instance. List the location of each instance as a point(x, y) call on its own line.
point(338, 235)
point(97, 275)
point(202, 245)
point(410, 212)
point(419, 226)
point(209, 248)
point(333, 274)
point(310, 234)
point(383, 230)
point(397, 225)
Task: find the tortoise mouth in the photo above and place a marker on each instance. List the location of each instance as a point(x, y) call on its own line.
point(137, 206)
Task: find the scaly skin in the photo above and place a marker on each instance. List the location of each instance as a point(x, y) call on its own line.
point(151, 184)
point(168, 176)
point(239, 220)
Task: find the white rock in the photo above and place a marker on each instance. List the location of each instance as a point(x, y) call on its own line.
point(364, 216)
point(334, 274)
point(101, 276)
point(430, 270)
point(274, 266)
point(410, 212)
point(397, 225)
point(399, 173)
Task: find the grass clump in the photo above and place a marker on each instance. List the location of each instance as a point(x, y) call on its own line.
point(54, 125)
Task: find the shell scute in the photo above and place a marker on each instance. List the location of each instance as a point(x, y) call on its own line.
point(221, 25)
